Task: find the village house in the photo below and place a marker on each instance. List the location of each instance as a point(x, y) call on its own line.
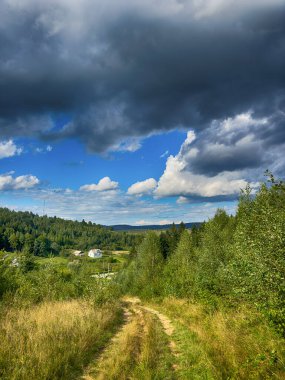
point(95, 253)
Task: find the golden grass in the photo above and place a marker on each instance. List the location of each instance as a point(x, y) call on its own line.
point(229, 344)
point(53, 340)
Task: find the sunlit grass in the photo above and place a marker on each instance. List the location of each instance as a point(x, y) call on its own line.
point(225, 344)
point(53, 340)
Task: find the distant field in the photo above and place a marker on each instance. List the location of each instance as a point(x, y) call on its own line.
point(120, 252)
point(57, 260)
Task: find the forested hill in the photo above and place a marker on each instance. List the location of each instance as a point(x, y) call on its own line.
point(127, 227)
point(43, 235)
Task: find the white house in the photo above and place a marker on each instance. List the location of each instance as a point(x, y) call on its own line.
point(95, 253)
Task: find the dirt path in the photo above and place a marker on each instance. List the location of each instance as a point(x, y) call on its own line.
point(92, 369)
point(164, 320)
point(127, 349)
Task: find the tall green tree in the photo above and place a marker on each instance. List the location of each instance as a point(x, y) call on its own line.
point(179, 272)
point(149, 265)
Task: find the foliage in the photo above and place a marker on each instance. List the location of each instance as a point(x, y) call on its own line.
point(42, 235)
point(143, 275)
point(228, 260)
point(257, 271)
point(179, 269)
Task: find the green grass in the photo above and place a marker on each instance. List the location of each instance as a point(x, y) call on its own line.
point(56, 261)
point(224, 344)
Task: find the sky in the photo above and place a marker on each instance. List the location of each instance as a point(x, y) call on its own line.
point(139, 112)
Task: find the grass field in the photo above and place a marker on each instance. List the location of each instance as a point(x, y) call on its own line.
point(54, 340)
point(56, 260)
point(224, 344)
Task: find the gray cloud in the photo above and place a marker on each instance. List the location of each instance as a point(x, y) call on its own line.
point(124, 71)
point(238, 143)
point(218, 162)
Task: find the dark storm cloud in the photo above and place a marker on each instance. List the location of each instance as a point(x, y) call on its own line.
point(237, 144)
point(125, 71)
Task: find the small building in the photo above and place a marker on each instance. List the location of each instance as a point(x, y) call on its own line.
point(15, 263)
point(78, 253)
point(95, 253)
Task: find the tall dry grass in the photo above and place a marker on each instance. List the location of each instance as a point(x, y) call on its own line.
point(53, 340)
point(231, 344)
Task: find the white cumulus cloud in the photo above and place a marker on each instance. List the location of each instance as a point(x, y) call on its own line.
point(8, 182)
point(177, 181)
point(9, 149)
point(143, 187)
point(206, 168)
point(104, 184)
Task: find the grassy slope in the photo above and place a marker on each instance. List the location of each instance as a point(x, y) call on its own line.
point(224, 344)
point(58, 340)
point(53, 340)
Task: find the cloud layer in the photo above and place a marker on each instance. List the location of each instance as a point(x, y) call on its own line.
point(125, 70)
point(109, 207)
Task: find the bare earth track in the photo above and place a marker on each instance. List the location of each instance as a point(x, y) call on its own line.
point(164, 320)
point(130, 352)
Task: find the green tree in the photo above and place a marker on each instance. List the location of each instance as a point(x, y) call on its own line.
point(214, 254)
point(179, 271)
point(257, 270)
point(149, 265)
point(14, 242)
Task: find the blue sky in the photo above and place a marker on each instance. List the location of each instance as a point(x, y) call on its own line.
point(139, 112)
point(64, 167)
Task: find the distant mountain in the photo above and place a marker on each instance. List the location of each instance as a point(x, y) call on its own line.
point(126, 227)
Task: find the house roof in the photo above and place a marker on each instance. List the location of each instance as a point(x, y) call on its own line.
point(95, 250)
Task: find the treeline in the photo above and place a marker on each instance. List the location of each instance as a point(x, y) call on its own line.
point(42, 235)
point(229, 260)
